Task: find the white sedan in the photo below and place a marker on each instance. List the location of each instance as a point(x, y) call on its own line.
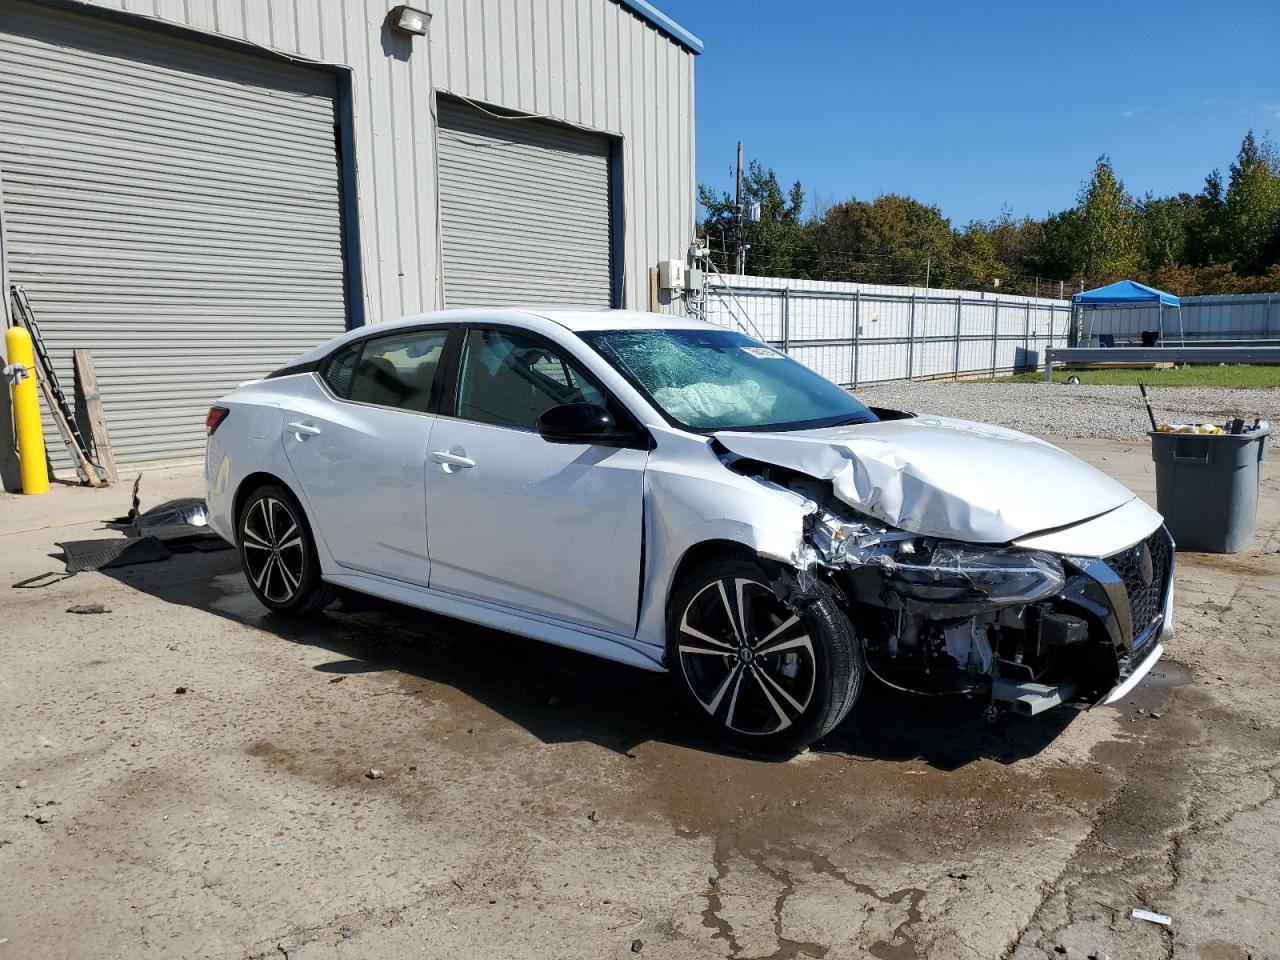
point(677, 496)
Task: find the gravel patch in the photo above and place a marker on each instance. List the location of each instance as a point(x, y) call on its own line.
point(1061, 410)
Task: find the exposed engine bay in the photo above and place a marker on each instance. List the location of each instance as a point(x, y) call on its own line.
point(1026, 629)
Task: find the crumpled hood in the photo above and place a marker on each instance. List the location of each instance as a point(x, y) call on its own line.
point(941, 477)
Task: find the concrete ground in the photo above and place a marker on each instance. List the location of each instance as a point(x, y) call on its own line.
point(535, 803)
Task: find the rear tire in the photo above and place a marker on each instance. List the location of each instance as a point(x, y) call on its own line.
point(764, 676)
point(278, 553)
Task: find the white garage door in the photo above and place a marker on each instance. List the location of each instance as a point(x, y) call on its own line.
point(171, 205)
point(525, 212)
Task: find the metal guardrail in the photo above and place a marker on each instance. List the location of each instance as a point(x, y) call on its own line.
point(1140, 355)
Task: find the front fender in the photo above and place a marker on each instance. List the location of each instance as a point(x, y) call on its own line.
point(692, 498)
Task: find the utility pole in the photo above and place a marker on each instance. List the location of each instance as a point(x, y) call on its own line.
point(738, 265)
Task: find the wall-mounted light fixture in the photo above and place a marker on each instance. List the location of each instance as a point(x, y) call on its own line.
point(408, 20)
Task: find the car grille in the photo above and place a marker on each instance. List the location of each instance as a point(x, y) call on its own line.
point(1146, 599)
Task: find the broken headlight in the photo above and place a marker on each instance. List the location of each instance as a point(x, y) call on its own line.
point(940, 572)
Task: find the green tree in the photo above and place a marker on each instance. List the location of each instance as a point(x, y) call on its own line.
point(975, 262)
point(1252, 212)
point(1058, 252)
point(892, 239)
point(1204, 223)
point(1110, 234)
point(1164, 229)
point(778, 241)
point(1016, 242)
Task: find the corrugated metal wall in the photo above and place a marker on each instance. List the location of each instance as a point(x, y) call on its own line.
point(524, 211)
point(857, 333)
point(586, 62)
point(173, 209)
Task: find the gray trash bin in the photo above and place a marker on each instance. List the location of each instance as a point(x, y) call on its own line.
point(1207, 487)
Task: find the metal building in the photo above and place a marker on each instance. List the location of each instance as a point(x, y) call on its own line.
point(198, 190)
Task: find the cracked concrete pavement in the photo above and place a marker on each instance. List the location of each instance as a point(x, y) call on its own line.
point(538, 803)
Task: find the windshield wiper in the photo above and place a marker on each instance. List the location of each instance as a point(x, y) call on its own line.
point(849, 421)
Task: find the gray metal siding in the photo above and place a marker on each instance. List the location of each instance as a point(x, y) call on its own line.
point(1246, 316)
point(592, 63)
point(171, 206)
point(524, 212)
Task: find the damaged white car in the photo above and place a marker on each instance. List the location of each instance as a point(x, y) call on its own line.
point(677, 496)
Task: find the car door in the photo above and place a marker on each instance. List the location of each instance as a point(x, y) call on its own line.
point(548, 528)
point(356, 438)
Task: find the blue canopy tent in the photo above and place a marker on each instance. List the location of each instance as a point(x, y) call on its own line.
point(1128, 293)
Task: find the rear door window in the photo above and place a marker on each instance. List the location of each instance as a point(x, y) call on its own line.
point(394, 371)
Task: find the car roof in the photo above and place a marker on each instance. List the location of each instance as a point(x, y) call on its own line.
point(577, 321)
point(581, 320)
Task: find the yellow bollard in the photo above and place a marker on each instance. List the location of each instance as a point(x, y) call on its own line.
point(26, 413)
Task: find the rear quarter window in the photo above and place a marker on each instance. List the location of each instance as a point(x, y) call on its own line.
point(339, 370)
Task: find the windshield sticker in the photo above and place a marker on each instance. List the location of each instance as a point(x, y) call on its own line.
point(764, 353)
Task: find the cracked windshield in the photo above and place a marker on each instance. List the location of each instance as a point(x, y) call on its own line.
point(723, 380)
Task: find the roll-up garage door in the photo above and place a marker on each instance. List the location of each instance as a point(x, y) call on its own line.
point(174, 206)
point(524, 210)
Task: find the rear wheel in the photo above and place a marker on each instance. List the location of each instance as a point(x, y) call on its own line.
point(766, 676)
point(279, 555)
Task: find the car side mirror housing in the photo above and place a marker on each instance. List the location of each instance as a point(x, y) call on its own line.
point(577, 423)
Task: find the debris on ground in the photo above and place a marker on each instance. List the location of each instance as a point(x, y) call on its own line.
point(958, 875)
point(288, 946)
point(85, 555)
point(637, 946)
point(592, 817)
point(373, 773)
point(88, 608)
point(22, 784)
point(346, 932)
point(1150, 917)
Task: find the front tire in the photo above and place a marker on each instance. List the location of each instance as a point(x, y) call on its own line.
point(278, 553)
point(765, 676)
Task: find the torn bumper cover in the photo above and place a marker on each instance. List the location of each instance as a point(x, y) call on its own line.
point(1030, 628)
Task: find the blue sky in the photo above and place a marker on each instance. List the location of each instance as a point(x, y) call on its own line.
point(974, 105)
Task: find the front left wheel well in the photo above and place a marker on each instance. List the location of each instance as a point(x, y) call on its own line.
point(701, 554)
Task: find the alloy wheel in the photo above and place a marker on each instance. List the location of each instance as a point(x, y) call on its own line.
point(274, 551)
point(747, 658)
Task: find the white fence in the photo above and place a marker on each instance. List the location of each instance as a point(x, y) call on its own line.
point(1250, 316)
point(856, 333)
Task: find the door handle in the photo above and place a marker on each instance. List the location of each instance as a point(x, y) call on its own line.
point(451, 460)
point(301, 430)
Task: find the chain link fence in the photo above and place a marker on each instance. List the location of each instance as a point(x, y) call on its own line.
point(854, 333)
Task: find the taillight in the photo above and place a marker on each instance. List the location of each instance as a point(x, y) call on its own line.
point(215, 418)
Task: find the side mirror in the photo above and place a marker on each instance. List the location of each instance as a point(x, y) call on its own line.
point(577, 423)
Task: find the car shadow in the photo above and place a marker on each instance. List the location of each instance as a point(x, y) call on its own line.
point(561, 695)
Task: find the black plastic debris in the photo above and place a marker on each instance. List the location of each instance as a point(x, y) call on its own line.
point(82, 555)
point(183, 524)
